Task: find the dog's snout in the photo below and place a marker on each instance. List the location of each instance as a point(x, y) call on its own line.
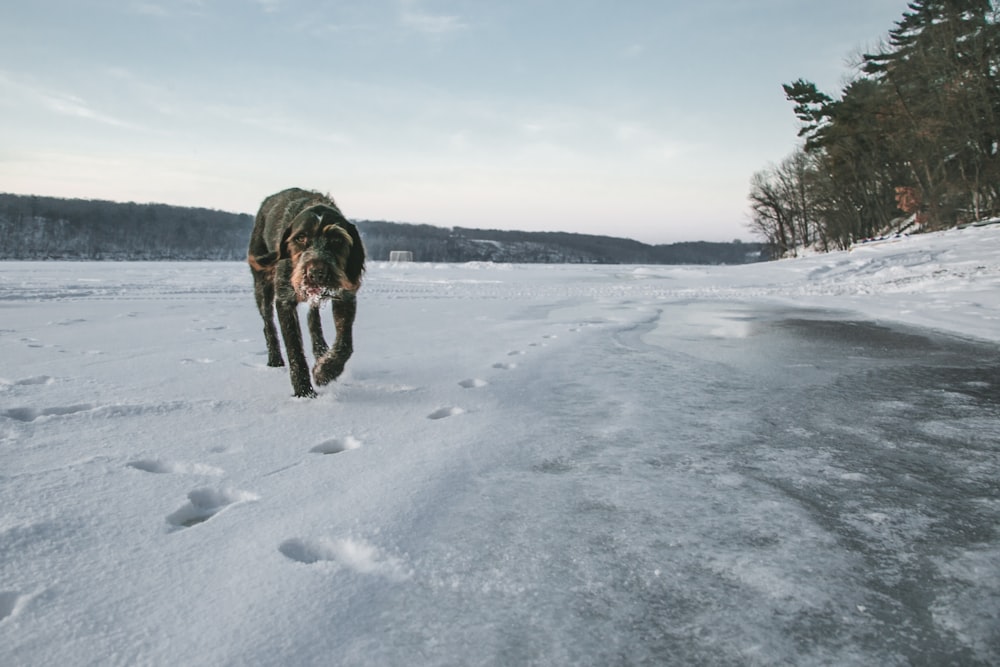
point(318, 273)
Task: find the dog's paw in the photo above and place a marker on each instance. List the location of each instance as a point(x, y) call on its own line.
point(328, 369)
point(305, 392)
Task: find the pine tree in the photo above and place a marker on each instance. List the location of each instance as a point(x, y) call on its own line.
point(940, 67)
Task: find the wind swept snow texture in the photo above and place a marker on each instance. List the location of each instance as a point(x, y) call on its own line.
point(785, 463)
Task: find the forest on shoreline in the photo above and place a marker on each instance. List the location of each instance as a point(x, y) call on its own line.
point(43, 228)
point(912, 142)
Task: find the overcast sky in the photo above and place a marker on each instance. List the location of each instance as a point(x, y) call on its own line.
point(643, 119)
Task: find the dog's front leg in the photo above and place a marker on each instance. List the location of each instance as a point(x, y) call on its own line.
point(298, 369)
point(288, 318)
point(331, 365)
point(316, 332)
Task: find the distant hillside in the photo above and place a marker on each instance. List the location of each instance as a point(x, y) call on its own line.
point(460, 244)
point(52, 228)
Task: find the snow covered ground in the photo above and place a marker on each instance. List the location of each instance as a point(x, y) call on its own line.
point(785, 463)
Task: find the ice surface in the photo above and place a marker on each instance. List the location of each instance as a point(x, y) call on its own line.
point(787, 463)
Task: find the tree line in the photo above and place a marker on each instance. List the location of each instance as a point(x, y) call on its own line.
point(462, 244)
point(911, 141)
point(53, 228)
point(34, 227)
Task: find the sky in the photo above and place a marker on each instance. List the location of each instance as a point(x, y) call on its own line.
point(641, 119)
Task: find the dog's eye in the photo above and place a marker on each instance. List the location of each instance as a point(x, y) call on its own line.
point(336, 236)
point(301, 239)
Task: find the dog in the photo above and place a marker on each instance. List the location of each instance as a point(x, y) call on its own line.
point(303, 250)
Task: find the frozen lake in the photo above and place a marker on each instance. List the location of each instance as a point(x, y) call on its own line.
point(522, 465)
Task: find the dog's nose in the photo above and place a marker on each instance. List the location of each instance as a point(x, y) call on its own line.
point(317, 273)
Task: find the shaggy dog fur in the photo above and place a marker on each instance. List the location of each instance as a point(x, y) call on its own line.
point(302, 249)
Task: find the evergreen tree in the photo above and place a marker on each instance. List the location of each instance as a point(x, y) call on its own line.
point(941, 68)
point(916, 133)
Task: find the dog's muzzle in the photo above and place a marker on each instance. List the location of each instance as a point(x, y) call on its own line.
point(315, 280)
point(318, 274)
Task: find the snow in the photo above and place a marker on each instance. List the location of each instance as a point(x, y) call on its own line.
point(531, 464)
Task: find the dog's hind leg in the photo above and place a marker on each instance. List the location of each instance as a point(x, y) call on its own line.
point(327, 369)
point(263, 288)
point(316, 332)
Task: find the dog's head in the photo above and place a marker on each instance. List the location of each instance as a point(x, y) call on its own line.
point(326, 253)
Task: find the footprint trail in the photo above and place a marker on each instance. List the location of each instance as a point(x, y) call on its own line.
point(205, 503)
point(336, 445)
point(442, 413)
point(159, 467)
point(352, 554)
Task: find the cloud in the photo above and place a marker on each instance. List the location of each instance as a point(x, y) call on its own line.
point(270, 6)
point(633, 51)
point(413, 17)
point(265, 122)
point(149, 9)
point(59, 102)
point(162, 10)
point(71, 105)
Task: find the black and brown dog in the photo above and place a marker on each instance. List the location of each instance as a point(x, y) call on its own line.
point(303, 249)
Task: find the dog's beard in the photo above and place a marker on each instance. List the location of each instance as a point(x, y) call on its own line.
point(313, 292)
point(316, 294)
point(309, 290)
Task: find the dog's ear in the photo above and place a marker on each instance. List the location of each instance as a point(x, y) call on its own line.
point(283, 251)
point(356, 259)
